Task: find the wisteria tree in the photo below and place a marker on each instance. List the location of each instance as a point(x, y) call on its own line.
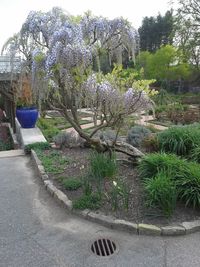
point(61, 56)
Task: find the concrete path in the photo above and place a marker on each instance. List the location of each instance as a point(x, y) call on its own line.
point(84, 126)
point(36, 232)
point(144, 120)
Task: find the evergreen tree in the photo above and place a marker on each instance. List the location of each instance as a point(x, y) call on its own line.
point(156, 31)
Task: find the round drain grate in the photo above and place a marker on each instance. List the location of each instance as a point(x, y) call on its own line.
point(103, 247)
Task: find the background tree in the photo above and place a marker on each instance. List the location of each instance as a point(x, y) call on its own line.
point(187, 26)
point(165, 65)
point(156, 31)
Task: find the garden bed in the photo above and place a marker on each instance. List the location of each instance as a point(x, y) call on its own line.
point(74, 164)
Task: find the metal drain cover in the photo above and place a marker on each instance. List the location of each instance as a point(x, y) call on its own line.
point(103, 247)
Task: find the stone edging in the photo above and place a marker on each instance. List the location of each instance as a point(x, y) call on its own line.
point(109, 221)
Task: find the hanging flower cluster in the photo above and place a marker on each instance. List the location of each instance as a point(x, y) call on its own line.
point(104, 98)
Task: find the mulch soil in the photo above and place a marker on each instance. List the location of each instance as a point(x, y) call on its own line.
point(137, 211)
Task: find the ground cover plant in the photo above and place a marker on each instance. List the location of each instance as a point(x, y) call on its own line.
point(53, 161)
point(72, 184)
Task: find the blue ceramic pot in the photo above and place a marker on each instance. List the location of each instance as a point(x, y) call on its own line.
point(27, 116)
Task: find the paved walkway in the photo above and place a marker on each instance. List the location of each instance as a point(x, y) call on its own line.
point(144, 120)
point(36, 232)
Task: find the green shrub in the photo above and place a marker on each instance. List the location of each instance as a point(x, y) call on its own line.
point(180, 140)
point(137, 134)
point(92, 201)
point(188, 184)
point(102, 165)
point(72, 184)
point(151, 164)
point(161, 193)
point(38, 145)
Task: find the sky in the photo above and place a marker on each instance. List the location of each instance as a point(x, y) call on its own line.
point(14, 12)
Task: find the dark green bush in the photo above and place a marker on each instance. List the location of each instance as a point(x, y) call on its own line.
point(37, 145)
point(151, 164)
point(161, 193)
point(92, 201)
point(137, 134)
point(180, 140)
point(72, 184)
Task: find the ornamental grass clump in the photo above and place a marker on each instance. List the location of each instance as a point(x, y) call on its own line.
point(103, 165)
point(188, 184)
point(180, 140)
point(161, 193)
point(153, 163)
point(185, 175)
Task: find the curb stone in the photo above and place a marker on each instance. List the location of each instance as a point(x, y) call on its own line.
point(111, 222)
point(148, 229)
point(126, 225)
point(101, 218)
point(173, 230)
point(192, 226)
